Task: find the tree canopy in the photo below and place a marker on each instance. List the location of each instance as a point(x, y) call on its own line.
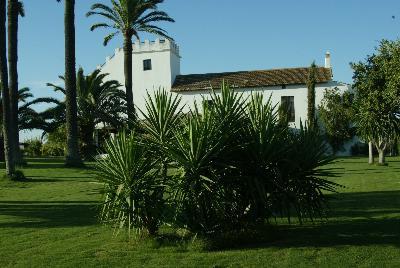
point(377, 84)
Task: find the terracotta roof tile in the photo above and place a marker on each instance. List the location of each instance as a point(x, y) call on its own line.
point(248, 79)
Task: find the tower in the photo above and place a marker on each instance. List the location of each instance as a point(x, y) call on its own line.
point(155, 64)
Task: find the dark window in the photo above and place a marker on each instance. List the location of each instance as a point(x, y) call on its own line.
point(287, 106)
point(146, 65)
point(283, 86)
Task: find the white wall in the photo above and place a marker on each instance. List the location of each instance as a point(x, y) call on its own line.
point(165, 61)
point(299, 92)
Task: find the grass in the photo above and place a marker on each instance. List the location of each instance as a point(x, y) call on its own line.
point(51, 221)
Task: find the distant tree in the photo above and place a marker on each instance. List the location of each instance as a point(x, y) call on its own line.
point(311, 82)
point(100, 101)
point(15, 9)
point(377, 82)
point(129, 18)
point(336, 112)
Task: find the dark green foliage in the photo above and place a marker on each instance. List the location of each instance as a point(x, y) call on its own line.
point(337, 114)
point(33, 147)
point(55, 142)
point(130, 175)
point(99, 102)
point(311, 83)
point(377, 85)
point(28, 118)
point(196, 151)
point(235, 166)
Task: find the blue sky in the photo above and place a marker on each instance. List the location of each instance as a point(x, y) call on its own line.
point(217, 36)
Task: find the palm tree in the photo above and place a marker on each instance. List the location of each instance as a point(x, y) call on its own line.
point(10, 164)
point(28, 118)
point(129, 18)
point(15, 8)
point(73, 158)
point(99, 102)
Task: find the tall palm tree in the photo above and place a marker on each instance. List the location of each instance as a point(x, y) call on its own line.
point(15, 8)
point(129, 18)
point(10, 164)
point(73, 158)
point(100, 101)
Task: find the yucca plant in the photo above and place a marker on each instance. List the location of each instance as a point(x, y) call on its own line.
point(162, 118)
point(265, 148)
point(306, 182)
point(132, 184)
point(196, 150)
point(281, 167)
point(228, 110)
point(237, 165)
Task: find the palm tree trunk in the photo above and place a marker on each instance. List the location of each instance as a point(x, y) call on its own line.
point(13, 73)
point(128, 76)
point(73, 157)
point(370, 153)
point(87, 139)
point(10, 166)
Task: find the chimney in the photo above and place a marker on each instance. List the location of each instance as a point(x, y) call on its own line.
point(328, 60)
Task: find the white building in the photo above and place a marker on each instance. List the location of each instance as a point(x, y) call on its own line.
point(157, 64)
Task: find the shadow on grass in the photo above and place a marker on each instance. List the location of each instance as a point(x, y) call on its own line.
point(47, 214)
point(370, 218)
point(49, 163)
point(361, 219)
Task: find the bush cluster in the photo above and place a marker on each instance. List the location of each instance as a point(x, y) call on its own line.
point(33, 147)
point(229, 164)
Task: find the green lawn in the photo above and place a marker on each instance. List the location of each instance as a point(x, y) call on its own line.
point(51, 221)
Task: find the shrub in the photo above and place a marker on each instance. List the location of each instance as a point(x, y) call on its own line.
point(236, 167)
point(131, 182)
point(53, 149)
point(337, 113)
point(56, 141)
point(33, 147)
point(239, 166)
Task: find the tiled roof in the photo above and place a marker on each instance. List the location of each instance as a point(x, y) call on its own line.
point(249, 79)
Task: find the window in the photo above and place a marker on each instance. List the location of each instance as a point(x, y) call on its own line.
point(287, 108)
point(147, 65)
point(283, 86)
